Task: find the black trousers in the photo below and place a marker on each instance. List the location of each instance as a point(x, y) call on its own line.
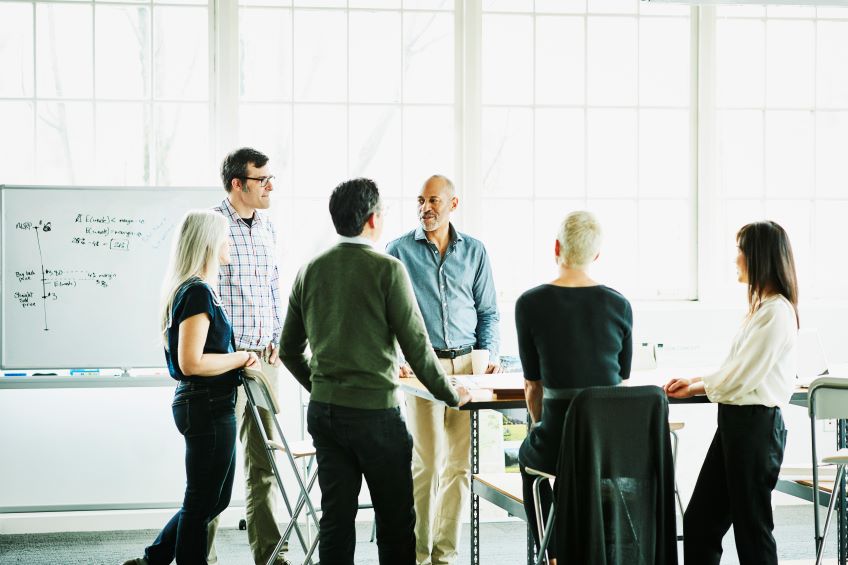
point(351, 443)
point(735, 486)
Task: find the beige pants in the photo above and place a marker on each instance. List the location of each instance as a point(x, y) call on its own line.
point(263, 533)
point(441, 466)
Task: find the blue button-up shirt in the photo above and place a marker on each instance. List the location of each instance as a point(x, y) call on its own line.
point(456, 293)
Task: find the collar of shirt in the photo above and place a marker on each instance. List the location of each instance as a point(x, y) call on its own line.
point(455, 236)
point(234, 215)
point(359, 240)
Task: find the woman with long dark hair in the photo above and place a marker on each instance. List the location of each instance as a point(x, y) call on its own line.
point(742, 464)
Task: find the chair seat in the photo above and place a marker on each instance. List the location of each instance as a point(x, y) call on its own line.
point(838, 458)
point(675, 426)
point(298, 448)
point(531, 471)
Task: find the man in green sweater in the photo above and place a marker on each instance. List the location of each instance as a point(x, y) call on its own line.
point(352, 304)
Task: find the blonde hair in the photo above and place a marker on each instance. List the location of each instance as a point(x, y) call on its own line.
point(579, 239)
point(194, 253)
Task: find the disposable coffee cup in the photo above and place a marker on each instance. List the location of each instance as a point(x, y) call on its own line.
point(479, 361)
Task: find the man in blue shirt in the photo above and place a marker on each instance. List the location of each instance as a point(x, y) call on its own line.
point(452, 280)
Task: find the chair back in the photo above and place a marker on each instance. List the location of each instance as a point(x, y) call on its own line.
point(828, 398)
point(615, 479)
point(260, 389)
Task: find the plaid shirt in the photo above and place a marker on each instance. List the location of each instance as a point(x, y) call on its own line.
point(249, 285)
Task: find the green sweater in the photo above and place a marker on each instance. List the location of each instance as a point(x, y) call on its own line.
point(353, 304)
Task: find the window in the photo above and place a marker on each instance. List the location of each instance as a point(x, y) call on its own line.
point(338, 90)
point(781, 115)
point(104, 92)
point(586, 105)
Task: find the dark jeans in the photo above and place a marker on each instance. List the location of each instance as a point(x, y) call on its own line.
point(352, 443)
point(205, 416)
point(546, 496)
point(734, 487)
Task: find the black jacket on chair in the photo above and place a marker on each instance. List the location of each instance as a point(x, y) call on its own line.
point(615, 480)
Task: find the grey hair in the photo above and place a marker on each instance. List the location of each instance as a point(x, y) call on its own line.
point(579, 239)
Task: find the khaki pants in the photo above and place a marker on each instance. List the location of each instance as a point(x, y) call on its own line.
point(441, 465)
point(263, 533)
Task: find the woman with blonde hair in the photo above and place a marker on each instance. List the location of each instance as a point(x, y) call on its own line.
point(573, 333)
point(200, 353)
point(742, 464)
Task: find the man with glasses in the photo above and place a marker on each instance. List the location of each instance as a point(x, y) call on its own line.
point(250, 294)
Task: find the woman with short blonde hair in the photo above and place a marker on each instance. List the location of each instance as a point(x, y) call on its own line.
point(572, 333)
point(200, 353)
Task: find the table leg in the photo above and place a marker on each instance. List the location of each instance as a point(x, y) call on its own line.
point(475, 500)
point(842, 508)
point(531, 543)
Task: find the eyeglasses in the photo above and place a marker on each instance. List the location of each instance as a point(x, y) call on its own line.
point(263, 181)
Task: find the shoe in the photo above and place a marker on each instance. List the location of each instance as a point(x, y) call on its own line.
point(281, 560)
point(137, 561)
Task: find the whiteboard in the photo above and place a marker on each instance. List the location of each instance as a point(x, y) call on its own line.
point(82, 272)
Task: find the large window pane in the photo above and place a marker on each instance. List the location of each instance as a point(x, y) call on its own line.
point(831, 233)
point(320, 56)
point(740, 152)
point(831, 62)
point(266, 54)
point(560, 153)
point(375, 56)
point(507, 64)
point(375, 146)
point(508, 151)
point(831, 150)
point(665, 248)
point(17, 157)
point(611, 152)
point(790, 63)
point(122, 54)
point(180, 53)
point(182, 145)
point(123, 143)
point(664, 61)
point(428, 57)
point(65, 137)
point(560, 60)
point(512, 265)
point(740, 63)
point(428, 146)
point(63, 51)
point(664, 156)
point(611, 63)
point(320, 149)
point(16, 49)
point(789, 154)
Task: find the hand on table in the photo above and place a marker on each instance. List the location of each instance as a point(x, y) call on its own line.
point(405, 371)
point(464, 395)
point(678, 388)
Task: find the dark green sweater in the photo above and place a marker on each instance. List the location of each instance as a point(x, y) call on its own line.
point(352, 305)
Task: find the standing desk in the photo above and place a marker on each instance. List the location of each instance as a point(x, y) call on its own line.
point(488, 400)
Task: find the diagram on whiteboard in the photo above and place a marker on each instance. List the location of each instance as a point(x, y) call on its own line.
point(64, 272)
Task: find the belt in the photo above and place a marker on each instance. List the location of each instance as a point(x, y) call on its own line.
point(453, 353)
point(560, 393)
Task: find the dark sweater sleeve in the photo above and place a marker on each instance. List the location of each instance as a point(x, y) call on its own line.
point(526, 346)
point(625, 357)
point(408, 326)
point(293, 338)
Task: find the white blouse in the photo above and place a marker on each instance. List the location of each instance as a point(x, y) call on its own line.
point(760, 368)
